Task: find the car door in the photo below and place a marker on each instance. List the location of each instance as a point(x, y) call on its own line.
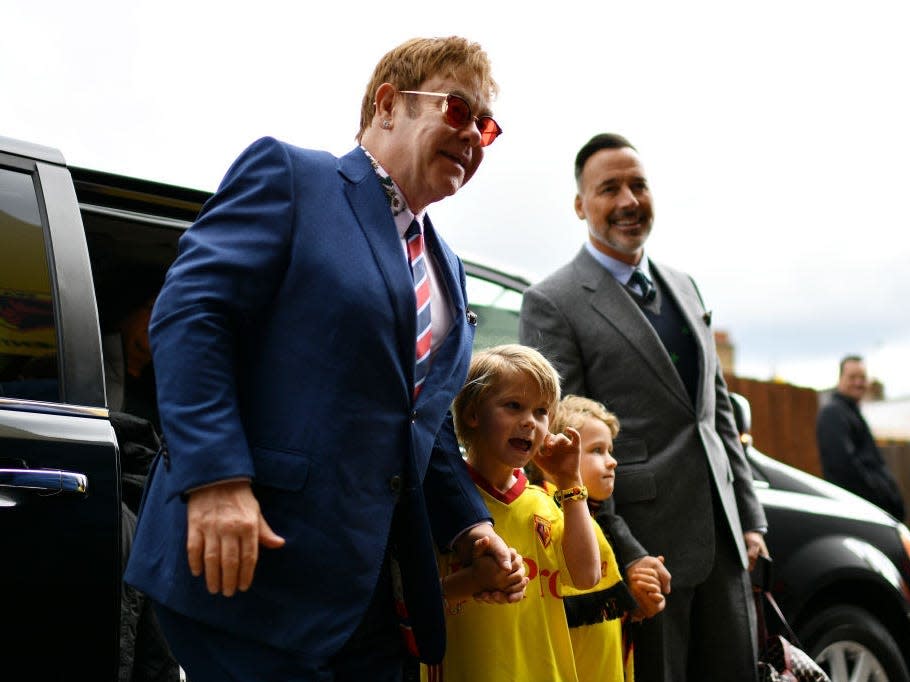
point(60, 545)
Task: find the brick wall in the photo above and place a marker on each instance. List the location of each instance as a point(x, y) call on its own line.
point(897, 456)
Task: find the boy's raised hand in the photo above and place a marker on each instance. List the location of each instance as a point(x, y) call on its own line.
point(559, 457)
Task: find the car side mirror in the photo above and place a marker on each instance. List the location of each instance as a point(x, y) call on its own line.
point(742, 413)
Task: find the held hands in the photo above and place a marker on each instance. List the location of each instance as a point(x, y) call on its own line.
point(224, 530)
point(501, 574)
point(755, 545)
point(648, 580)
point(505, 587)
point(559, 457)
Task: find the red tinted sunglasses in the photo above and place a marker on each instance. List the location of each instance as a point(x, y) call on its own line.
point(458, 114)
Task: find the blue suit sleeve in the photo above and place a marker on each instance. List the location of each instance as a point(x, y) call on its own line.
point(229, 265)
point(453, 503)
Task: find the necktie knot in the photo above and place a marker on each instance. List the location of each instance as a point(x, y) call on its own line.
point(413, 230)
point(644, 285)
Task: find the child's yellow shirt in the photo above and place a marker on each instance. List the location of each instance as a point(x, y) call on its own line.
point(527, 641)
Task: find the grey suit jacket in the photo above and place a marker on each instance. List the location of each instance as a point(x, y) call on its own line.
point(670, 453)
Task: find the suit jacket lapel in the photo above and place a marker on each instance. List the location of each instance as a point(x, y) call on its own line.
point(447, 270)
point(610, 299)
point(371, 208)
point(681, 288)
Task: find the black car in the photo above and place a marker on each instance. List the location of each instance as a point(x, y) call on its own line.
point(67, 234)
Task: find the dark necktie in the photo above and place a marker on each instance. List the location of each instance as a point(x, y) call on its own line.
point(648, 292)
point(418, 261)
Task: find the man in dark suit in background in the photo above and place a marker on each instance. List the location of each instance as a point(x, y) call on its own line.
point(635, 335)
point(850, 457)
point(307, 422)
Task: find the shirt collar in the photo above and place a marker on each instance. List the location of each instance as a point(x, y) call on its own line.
point(621, 271)
point(847, 399)
point(401, 213)
point(506, 497)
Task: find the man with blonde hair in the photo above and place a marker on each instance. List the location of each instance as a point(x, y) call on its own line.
point(308, 342)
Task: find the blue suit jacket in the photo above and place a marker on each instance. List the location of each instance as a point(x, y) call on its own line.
point(283, 342)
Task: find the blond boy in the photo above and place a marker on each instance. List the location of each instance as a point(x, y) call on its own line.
point(598, 617)
point(502, 417)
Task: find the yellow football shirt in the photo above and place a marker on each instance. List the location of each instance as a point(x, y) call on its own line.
point(527, 641)
point(600, 652)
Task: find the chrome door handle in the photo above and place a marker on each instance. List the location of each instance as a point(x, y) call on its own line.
point(44, 480)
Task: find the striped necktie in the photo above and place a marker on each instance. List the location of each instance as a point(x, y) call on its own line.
point(418, 261)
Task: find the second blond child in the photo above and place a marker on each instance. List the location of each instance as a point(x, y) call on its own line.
point(600, 618)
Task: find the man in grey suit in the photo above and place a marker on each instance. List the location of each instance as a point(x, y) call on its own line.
point(635, 335)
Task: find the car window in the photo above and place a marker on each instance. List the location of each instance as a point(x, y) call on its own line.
point(28, 338)
point(496, 307)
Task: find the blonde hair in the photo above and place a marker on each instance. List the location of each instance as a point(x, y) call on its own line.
point(489, 367)
point(572, 411)
point(419, 59)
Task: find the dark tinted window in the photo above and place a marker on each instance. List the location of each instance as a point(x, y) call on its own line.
point(28, 339)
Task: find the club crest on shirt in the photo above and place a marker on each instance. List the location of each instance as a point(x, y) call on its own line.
point(542, 528)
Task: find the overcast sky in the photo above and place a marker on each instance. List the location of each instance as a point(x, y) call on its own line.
point(775, 134)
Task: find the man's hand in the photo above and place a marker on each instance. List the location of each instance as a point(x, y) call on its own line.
point(645, 583)
point(755, 545)
point(657, 565)
point(224, 530)
point(498, 585)
point(482, 540)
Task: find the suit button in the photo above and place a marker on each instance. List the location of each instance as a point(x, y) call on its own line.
point(413, 416)
point(395, 484)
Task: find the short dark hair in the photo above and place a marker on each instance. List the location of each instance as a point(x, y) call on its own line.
point(849, 358)
point(594, 145)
